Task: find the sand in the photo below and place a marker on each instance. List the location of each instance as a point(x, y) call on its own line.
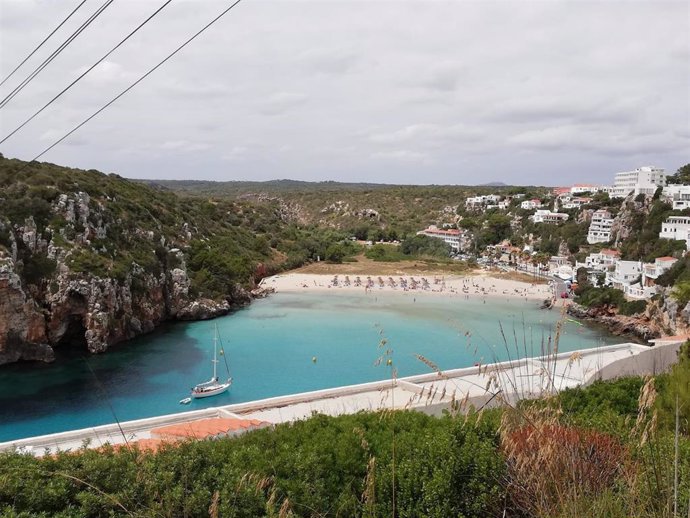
point(471, 285)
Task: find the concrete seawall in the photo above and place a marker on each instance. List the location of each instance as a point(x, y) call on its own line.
point(430, 393)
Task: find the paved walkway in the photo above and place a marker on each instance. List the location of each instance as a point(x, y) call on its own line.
point(430, 393)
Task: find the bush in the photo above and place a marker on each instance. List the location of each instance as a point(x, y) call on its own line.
point(322, 466)
point(632, 307)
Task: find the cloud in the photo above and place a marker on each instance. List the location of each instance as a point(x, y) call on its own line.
point(107, 72)
point(184, 146)
point(400, 155)
point(328, 61)
point(428, 134)
point(322, 90)
point(280, 102)
point(588, 139)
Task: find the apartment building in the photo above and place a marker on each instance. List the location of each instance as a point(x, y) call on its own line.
point(675, 227)
point(600, 227)
point(454, 237)
point(643, 180)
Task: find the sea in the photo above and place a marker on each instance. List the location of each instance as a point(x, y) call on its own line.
point(284, 344)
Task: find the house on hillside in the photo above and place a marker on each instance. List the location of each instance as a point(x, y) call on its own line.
point(530, 204)
point(677, 228)
point(652, 271)
point(602, 261)
point(600, 227)
point(624, 273)
point(677, 195)
point(580, 188)
point(456, 238)
point(576, 203)
point(546, 216)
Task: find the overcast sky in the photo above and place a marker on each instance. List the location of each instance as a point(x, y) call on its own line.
point(524, 92)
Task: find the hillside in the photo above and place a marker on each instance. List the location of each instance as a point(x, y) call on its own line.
point(88, 259)
point(369, 211)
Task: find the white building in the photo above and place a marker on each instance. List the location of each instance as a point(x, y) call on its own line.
point(576, 203)
point(602, 261)
point(643, 180)
point(476, 202)
point(600, 227)
point(530, 204)
point(651, 272)
point(579, 188)
point(625, 273)
point(546, 216)
point(678, 196)
point(675, 227)
point(454, 237)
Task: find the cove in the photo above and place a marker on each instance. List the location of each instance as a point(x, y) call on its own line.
point(284, 344)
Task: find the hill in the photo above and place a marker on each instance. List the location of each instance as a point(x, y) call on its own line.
point(89, 259)
point(368, 211)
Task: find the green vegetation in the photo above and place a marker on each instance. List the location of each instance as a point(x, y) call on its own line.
point(644, 242)
point(600, 451)
point(682, 176)
point(607, 297)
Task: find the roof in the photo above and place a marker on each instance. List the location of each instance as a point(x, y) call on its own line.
point(608, 251)
point(452, 231)
point(205, 428)
point(584, 185)
point(666, 258)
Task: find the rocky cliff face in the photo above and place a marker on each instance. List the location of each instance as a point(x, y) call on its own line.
point(662, 317)
point(91, 270)
point(91, 311)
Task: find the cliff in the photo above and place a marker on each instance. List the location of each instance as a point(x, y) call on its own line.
point(89, 260)
point(663, 316)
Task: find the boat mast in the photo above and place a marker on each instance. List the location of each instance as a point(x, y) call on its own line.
point(215, 347)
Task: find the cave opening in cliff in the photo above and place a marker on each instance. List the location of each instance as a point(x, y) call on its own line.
point(75, 335)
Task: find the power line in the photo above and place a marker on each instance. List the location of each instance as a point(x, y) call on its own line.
point(87, 71)
point(41, 44)
point(55, 53)
point(223, 13)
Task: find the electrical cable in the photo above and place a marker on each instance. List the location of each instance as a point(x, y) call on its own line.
point(223, 13)
point(86, 72)
point(55, 53)
point(41, 44)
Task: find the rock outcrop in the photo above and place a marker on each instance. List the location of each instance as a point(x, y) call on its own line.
point(662, 317)
point(91, 269)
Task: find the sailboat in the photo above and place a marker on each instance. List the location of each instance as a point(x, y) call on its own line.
point(214, 386)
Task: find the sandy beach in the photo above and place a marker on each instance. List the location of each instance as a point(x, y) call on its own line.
point(471, 285)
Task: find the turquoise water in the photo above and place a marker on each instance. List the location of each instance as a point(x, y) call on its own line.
point(270, 347)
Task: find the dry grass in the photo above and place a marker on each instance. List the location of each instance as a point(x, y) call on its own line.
point(515, 276)
point(365, 266)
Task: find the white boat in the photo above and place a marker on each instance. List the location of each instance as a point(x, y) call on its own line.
point(214, 386)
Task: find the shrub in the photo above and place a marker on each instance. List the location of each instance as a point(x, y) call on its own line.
point(632, 307)
point(550, 465)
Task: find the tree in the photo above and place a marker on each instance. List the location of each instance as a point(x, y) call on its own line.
point(682, 176)
point(335, 253)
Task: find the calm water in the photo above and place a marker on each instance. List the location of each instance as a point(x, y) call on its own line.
point(270, 347)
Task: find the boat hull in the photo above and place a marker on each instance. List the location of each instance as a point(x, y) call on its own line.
point(223, 387)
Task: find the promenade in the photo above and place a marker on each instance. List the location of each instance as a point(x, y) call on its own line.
point(477, 386)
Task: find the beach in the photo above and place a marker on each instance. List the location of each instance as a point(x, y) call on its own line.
point(474, 284)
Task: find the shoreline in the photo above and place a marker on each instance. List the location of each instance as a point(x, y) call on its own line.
point(465, 286)
point(428, 393)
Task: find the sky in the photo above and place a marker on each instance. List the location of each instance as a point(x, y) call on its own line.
point(412, 92)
